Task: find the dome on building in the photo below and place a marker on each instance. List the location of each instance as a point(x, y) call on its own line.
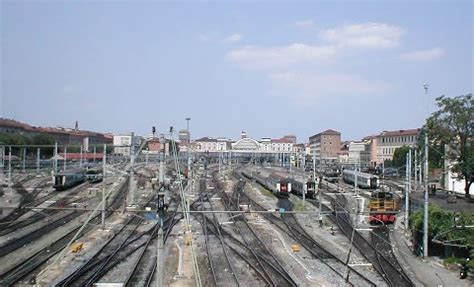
point(246, 144)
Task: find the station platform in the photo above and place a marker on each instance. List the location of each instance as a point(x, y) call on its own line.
point(423, 272)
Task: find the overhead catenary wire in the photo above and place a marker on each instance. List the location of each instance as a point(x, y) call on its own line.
point(184, 205)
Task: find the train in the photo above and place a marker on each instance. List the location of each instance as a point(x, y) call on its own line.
point(280, 186)
point(383, 207)
point(364, 180)
point(95, 174)
point(332, 175)
point(297, 187)
point(69, 178)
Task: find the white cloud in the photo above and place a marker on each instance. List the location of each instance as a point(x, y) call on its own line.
point(312, 86)
point(304, 23)
point(425, 55)
point(234, 38)
point(365, 35)
point(297, 53)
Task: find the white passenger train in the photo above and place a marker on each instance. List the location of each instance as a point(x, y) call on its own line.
point(364, 180)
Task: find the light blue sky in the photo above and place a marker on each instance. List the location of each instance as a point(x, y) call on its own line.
point(267, 68)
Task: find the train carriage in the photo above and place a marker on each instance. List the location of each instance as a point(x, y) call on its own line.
point(278, 185)
point(69, 178)
point(95, 174)
point(364, 180)
point(298, 187)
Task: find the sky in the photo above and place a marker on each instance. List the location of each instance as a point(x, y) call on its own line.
point(269, 68)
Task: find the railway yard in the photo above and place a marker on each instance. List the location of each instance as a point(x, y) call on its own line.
point(239, 233)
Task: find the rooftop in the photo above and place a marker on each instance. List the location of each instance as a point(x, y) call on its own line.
point(400, 132)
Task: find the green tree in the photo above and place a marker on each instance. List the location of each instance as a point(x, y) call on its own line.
point(44, 139)
point(435, 150)
point(14, 139)
point(452, 125)
point(400, 156)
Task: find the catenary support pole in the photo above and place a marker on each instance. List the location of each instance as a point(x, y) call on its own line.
point(159, 259)
point(415, 186)
point(24, 159)
point(38, 158)
point(407, 187)
point(189, 147)
point(132, 176)
point(426, 203)
point(65, 158)
point(162, 160)
point(80, 160)
point(103, 185)
point(10, 169)
point(3, 157)
point(55, 163)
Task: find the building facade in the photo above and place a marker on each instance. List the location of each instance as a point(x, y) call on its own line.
point(207, 144)
point(125, 144)
point(388, 141)
point(325, 146)
point(184, 136)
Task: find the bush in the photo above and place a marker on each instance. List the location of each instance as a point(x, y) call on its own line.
point(441, 224)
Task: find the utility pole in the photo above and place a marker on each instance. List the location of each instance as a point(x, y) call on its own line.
point(95, 149)
point(426, 205)
point(24, 159)
point(159, 259)
point(55, 163)
point(161, 210)
point(80, 161)
point(132, 190)
point(162, 160)
point(219, 155)
point(189, 147)
point(65, 157)
point(407, 190)
point(103, 185)
point(38, 158)
point(10, 169)
point(3, 157)
point(416, 170)
point(305, 187)
point(355, 179)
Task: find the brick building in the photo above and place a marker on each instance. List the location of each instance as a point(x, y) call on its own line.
point(326, 145)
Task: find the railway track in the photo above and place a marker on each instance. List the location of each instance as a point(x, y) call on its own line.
point(289, 225)
point(17, 225)
point(271, 266)
point(384, 262)
point(113, 253)
point(27, 198)
point(380, 238)
point(219, 259)
point(93, 268)
point(96, 266)
point(239, 248)
point(28, 267)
